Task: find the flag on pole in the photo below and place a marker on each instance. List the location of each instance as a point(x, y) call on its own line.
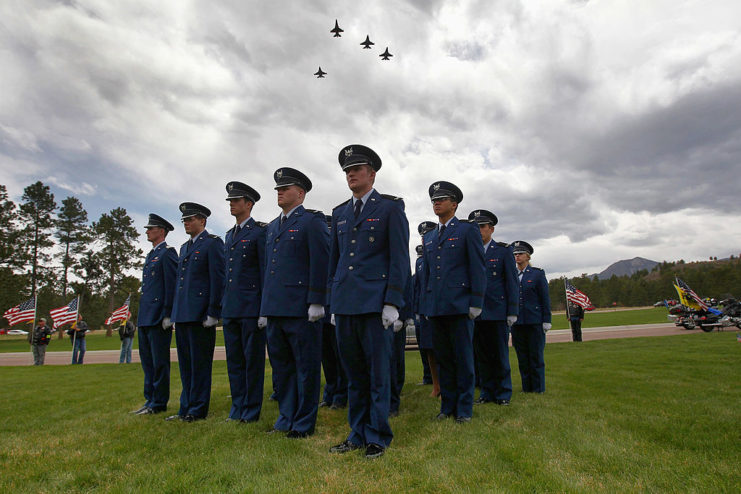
point(688, 297)
point(25, 311)
point(65, 314)
point(577, 297)
point(120, 314)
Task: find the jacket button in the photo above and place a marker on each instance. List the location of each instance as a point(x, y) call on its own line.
point(352, 241)
point(352, 254)
point(350, 268)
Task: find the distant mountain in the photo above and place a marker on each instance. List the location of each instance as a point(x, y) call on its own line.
point(626, 267)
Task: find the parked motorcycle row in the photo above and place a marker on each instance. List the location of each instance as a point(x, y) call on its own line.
point(720, 314)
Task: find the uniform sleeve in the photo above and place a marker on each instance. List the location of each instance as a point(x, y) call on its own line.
point(476, 267)
point(169, 279)
point(545, 298)
point(334, 257)
point(216, 268)
point(399, 268)
point(261, 245)
point(318, 239)
point(407, 312)
point(511, 285)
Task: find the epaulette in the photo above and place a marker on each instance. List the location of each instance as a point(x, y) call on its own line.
point(314, 211)
point(502, 244)
point(213, 235)
point(261, 224)
point(533, 267)
point(342, 204)
point(393, 198)
point(173, 248)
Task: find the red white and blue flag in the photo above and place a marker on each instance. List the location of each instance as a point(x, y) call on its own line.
point(577, 297)
point(120, 314)
point(65, 314)
point(25, 311)
point(690, 293)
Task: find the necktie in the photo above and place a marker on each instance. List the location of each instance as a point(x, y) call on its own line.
point(358, 206)
point(282, 220)
point(237, 229)
point(190, 243)
point(519, 276)
point(442, 231)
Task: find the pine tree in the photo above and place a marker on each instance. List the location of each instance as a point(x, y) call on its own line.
point(73, 234)
point(36, 213)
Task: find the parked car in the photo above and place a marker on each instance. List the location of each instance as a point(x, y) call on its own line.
point(17, 331)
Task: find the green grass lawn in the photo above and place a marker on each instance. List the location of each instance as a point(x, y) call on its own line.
point(631, 415)
point(98, 341)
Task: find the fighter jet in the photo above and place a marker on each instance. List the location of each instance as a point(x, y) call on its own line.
point(367, 43)
point(319, 73)
point(337, 30)
point(385, 55)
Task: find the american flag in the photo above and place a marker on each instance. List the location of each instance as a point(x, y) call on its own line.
point(120, 314)
point(688, 292)
point(577, 297)
point(25, 311)
point(65, 314)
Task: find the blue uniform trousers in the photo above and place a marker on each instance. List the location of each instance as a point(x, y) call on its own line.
point(365, 351)
point(295, 345)
point(426, 374)
point(154, 353)
point(529, 343)
point(245, 364)
point(453, 341)
point(195, 346)
point(335, 389)
point(491, 347)
point(397, 368)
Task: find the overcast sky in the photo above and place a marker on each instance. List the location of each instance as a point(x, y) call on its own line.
point(596, 131)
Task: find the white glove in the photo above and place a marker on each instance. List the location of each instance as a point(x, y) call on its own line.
point(316, 312)
point(546, 327)
point(210, 322)
point(398, 325)
point(262, 322)
point(474, 312)
point(166, 323)
point(331, 320)
point(410, 323)
point(511, 320)
point(389, 315)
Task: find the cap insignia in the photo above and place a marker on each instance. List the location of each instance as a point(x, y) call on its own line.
point(348, 152)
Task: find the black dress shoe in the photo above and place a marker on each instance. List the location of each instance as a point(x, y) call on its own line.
point(323, 404)
point(462, 420)
point(374, 451)
point(297, 435)
point(503, 402)
point(137, 412)
point(192, 418)
point(442, 416)
point(145, 411)
point(174, 417)
point(481, 401)
point(344, 447)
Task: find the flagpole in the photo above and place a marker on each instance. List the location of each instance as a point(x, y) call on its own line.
point(33, 325)
point(566, 293)
point(74, 333)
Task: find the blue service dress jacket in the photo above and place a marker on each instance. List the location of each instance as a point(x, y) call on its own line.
point(502, 295)
point(454, 272)
point(244, 253)
point(200, 279)
point(535, 302)
point(296, 255)
point(158, 285)
point(369, 257)
point(418, 283)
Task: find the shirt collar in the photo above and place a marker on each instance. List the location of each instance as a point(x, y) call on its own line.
point(158, 245)
point(446, 223)
point(487, 244)
point(289, 212)
point(241, 225)
point(364, 198)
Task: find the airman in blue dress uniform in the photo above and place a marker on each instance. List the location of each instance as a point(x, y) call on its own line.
point(368, 271)
point(491, 328)
point(196, 310)
point(533, 320)
point(155, 306)
point(293, 298)
point(455, 284)
point(244, 251)
point(335, 389)
point(423, 329)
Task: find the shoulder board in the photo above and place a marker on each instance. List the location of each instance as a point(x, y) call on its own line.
point(393, 198)
point(261, 224)
point(314, 211)
point(466, 221)
point(213, 235)
point(341, 204)
point(502, 244)
point(171, 247)
point(537, 269)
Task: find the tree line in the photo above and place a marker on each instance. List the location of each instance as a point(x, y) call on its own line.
point(54, 252)
point(716, 279)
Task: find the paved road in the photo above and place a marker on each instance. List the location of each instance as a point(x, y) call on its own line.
point(555, 336)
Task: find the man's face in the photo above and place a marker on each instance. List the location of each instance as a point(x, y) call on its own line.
point(239, 207)
point(486, 231)
point(290, 196)
point(155, 233)
point(194, 225)
point(360, 177)
point(42, 323)
point(443, 206)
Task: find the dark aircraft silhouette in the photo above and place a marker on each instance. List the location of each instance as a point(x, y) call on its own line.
point(385, 55)
point(367, 43)
point(319, 73)
point(337, 30)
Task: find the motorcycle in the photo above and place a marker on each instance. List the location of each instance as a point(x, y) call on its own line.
point(731, 314)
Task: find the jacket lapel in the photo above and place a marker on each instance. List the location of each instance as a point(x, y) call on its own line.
point(373, 202)
point(243, 233)
point(291, 220)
